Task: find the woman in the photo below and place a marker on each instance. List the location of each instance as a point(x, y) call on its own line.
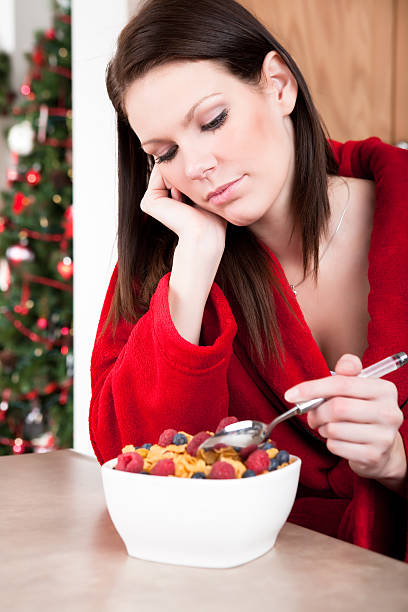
point(254, 257)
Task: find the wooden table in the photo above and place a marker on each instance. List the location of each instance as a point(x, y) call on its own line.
point(60, 551)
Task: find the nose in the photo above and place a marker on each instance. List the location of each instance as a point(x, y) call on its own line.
point(199, 166)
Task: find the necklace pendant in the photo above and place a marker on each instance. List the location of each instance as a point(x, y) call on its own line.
point(293, 289)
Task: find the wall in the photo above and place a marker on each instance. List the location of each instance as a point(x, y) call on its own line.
point(95, 27)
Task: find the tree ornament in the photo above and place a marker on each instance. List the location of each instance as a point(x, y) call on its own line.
point(33, 177)
point(42, 323)
point(18, 253)
point(34, 423)
point(38, 56)
point(65, 268)
point(68, 223)
point(18, 446)
point(20, 202)
point(50, 34)
point(4, 274)
point(20, 138)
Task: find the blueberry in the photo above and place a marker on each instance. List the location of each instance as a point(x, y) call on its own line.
point(198, 475)
point(273, 465)
point(147, 445)
point(267, 446)
point(282, 457)
point(145, 473)
point(248, 474)
point(179, 439)
point(237, 449)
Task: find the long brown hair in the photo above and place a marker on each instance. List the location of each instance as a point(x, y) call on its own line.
point(225, 32)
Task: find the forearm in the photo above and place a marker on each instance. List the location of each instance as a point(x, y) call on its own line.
point(190, 283)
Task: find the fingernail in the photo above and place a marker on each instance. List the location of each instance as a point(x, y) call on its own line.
point(292, 395)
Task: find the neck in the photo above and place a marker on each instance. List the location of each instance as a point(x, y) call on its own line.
point(278, 231)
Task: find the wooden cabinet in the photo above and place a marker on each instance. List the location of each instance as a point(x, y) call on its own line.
point(353, 55)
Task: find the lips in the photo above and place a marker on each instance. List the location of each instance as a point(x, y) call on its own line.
point(221, 189)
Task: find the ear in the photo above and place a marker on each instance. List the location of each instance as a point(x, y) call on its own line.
point(279, 81)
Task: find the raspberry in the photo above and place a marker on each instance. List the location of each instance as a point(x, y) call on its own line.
point(245, 452)
point(198, 439)
point(222, 469)
point(135, 465)
point(226, 421)
point(129, 462)
point(258, 461)
point(123, 460)
point(166, 437)
point(164, 467)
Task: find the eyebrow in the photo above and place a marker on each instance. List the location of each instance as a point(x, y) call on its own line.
point(187, 119)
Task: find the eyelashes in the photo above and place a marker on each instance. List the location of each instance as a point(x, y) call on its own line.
point(208, 127)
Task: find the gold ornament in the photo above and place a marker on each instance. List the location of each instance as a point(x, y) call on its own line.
point(56, 198)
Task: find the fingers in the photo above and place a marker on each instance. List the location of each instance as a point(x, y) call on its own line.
point(157, 185)
point(348, 365)
point(357, 433)
point(339, 385)
point(340, 409)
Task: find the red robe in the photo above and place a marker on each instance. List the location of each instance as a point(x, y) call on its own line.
point(148, 378)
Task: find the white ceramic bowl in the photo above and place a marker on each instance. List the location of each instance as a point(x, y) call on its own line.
point(203, 523)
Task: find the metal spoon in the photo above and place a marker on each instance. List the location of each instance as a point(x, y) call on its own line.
point(247, 433)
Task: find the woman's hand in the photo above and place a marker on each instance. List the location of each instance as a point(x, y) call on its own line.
point(360, 420)
point(191, 223)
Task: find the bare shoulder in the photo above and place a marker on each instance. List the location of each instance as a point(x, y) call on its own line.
point(362, 191)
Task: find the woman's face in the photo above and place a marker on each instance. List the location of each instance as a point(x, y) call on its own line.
point(206, 128)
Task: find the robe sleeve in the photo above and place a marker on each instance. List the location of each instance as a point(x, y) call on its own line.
point(146, 378)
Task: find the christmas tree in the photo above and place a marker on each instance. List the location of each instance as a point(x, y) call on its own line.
point(36, 363)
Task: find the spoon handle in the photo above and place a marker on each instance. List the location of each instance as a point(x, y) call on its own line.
point(377, 370)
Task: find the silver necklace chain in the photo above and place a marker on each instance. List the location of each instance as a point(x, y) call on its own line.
point(294, 286)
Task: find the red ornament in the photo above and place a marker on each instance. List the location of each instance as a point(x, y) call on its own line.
point(38, 56)
point(20, 202)
point(67, 223)
point(42, 323)
point(25, 89)
point(33, 177)
point(65, 268)
point(50, 34)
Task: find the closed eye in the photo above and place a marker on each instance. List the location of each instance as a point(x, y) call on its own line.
point(211, 126)
point(217, 122)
